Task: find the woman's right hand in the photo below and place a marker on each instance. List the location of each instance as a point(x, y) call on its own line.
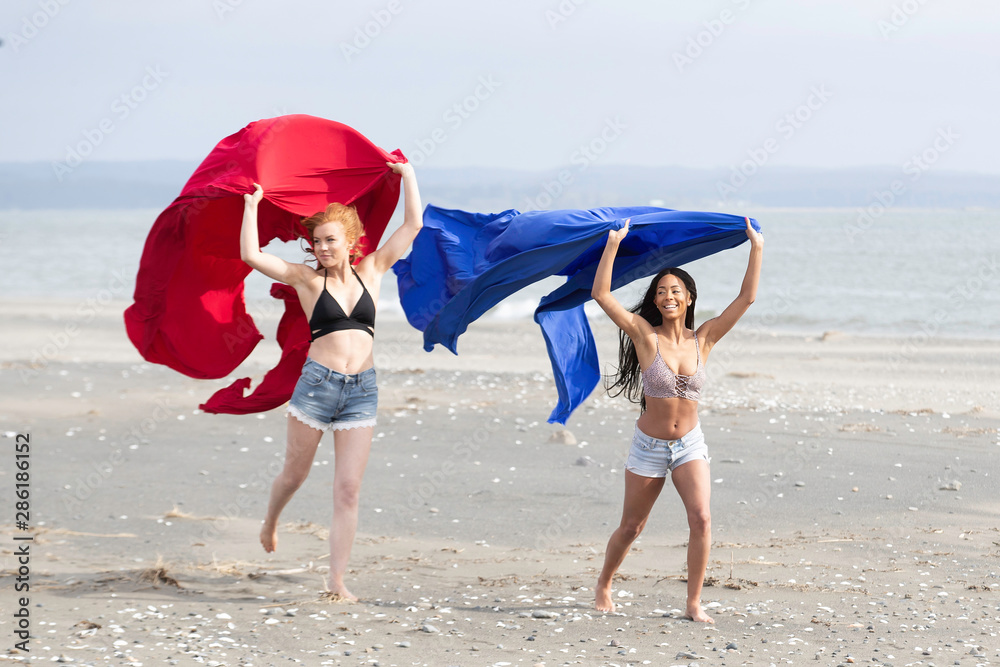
point(616, 235)
point(254, 198)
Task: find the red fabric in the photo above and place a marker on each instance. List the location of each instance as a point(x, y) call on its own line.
point(189, 311)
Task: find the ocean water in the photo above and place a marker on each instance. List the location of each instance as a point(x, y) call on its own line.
point(897, 274)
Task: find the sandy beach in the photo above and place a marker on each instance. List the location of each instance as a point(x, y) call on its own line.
point(855, 508)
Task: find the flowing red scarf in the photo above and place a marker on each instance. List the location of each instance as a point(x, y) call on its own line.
point(189, 311)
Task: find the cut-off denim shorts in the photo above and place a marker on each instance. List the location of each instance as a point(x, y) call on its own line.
point(652, 457)
point(327, 400)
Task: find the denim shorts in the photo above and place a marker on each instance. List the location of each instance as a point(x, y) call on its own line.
point(327, 400)
point(652, 457)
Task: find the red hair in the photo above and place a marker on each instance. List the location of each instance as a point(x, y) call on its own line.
point(346, 216)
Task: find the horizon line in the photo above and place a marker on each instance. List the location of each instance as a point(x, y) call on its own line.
point(623, 165)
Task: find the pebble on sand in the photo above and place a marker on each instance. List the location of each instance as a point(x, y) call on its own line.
point(562, 437)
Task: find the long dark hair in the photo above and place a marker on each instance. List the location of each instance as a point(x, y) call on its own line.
point(628, 379)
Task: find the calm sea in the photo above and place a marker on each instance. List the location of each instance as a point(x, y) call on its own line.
point(896, 274)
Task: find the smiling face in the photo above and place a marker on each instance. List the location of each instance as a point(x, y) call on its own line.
point(331, 244)
point(672, 298)
point(335, 233)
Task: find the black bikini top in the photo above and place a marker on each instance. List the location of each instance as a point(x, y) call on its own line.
point(328, 316)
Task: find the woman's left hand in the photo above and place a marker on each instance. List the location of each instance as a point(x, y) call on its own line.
point(616, 235)
point(756, 238)
point(402, 168)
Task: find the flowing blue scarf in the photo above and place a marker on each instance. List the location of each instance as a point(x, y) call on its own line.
point(462, 264)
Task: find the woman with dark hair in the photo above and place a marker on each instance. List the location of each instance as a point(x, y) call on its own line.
point(336, 391)
point(657, 337)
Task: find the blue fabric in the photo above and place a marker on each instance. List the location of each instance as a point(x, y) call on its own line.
point(462, 264)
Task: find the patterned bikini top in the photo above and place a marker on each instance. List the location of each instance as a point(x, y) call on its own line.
point(659, 381)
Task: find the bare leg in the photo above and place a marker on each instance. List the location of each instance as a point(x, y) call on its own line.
point(640, 494)
point(693, 482)
point(352, 449)
point(299, 453)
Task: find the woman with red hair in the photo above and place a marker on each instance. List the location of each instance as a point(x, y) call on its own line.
point(337, 390)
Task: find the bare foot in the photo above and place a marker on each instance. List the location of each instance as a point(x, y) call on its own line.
point(340, 594)
point(697, 615)
point(269, 537)
point(602, 598)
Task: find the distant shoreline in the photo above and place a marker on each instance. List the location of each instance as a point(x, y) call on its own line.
point(155, 183)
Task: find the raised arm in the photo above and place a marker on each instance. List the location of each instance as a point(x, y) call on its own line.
point(714, 329)
point(393, 249)
point(270, 265)
point(626, 320)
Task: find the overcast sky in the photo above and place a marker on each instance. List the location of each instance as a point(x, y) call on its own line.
point(839, 83)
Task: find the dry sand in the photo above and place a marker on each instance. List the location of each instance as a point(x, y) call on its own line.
point(854, 512)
